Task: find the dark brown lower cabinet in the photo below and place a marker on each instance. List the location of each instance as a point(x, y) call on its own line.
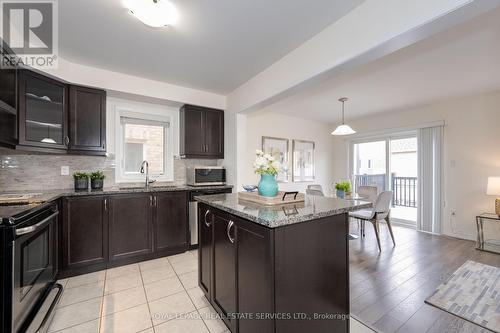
point(255, 271)
point(84, 232)
point(288, 279)
point(224, 268)
point(235, 269)
point(99, 231)
point(205, 239)
point(170, 220)
point(130, 226)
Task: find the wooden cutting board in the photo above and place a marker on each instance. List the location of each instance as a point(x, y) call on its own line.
point(274, 201)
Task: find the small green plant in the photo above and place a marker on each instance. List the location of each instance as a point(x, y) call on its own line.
point(80, 175)
point(97, 175)
point(343, 186)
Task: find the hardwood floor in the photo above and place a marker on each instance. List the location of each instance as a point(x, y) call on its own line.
point(388, 289)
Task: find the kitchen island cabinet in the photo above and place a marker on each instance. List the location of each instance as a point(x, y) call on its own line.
point(276, 269)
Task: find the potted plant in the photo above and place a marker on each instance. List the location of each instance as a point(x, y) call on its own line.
point(81, 181)
point(97, 180)
point(343, 189)
point(267, 168)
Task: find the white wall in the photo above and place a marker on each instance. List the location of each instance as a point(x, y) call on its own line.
point(264, 123)
point(471, 153)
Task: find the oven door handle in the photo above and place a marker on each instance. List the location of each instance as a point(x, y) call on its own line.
point(35, 227)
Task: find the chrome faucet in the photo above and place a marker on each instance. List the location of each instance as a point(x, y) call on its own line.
point(146, 171)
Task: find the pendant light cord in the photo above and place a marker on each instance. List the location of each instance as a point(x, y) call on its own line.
point(343, 120)
point(343, 100)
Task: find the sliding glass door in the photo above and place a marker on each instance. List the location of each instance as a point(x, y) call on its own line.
point(370, 164)
point(389, 163)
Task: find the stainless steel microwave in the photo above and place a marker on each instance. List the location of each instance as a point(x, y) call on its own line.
point(206, 175)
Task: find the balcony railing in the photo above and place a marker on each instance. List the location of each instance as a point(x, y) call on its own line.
point(370, 180)
point(404, 191)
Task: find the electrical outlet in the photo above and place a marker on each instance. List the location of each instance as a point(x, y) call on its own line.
point(64, 170)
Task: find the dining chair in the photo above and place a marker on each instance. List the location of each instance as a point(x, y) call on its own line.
point(369, 193)
point(315, 190)
point(379, 211)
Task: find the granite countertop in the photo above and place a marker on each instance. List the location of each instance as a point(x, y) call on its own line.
point(314, 207)
point(41, 197)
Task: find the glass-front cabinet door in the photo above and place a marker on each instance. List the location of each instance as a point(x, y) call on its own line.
point(42, 111)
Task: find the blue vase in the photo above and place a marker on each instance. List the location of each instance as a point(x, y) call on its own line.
point(340, 194)
point(268, 186)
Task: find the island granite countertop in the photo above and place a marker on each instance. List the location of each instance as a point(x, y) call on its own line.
point(314, 207)
point(41, 197)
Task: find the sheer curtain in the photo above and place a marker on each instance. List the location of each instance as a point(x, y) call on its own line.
point(430, 170)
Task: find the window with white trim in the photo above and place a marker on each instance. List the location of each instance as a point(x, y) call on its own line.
point(143, 137)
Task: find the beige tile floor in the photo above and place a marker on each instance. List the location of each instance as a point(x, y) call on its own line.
point(160, 295)
point(155, 296)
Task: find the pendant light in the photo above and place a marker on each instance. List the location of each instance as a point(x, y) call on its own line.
point(48, 139)
point(343, 129)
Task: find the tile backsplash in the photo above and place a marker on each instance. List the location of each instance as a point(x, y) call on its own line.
point(43, 172)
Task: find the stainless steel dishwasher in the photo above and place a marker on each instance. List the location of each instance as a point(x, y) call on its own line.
point(193, 209)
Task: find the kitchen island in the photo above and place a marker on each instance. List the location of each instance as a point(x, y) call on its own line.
point(276, 269)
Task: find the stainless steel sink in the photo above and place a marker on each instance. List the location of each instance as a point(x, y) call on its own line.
point(162, 187)
point(150, 188)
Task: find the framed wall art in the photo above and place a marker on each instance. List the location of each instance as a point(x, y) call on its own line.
point(278, 148)
point(303, 161)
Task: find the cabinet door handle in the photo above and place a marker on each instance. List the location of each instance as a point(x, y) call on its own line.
point(66, 139)
point(206, 222)
point(156, 201)
point(229, 226)
point(151, 200)
point(105, 204)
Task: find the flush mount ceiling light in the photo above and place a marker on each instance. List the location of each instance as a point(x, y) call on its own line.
point(343, 129)
point(155, 13)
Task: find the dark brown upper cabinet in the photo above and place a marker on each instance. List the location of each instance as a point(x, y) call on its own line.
point(44, 114)
point(87, 120)
point(42, 111)
point(8, 101)
point(202, 132)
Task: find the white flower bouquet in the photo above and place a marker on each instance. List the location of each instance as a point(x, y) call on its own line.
point(266, 164)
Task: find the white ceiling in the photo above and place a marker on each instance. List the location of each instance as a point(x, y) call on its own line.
point(216, 46)
point(461, 61)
